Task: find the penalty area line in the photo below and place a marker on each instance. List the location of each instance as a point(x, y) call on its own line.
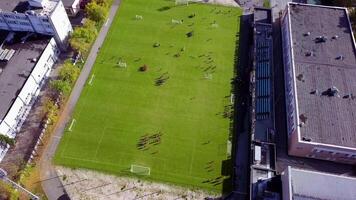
point(71, 124)
point(91, 79)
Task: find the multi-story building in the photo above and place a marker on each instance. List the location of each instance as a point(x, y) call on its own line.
point(320, 70)
point(72, 7)
point(298, 184)
point(32, 33)
point(26, 60)
point(47, 17)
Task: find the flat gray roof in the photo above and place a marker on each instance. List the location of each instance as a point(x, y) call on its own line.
point(310, 185)
point(68, 3)
point(14, 5)
point(16, 71)
point(262, 15)
point(320, 66)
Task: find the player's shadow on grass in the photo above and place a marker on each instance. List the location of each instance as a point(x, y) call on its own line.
point(164, 8)
point(234, 113)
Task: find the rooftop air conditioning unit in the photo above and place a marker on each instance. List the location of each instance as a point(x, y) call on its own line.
point(37, 3)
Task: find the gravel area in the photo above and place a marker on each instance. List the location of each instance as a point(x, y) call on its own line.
point(221, 2)
point(84, 184)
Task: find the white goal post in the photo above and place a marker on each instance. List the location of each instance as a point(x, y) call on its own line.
point(140, 170)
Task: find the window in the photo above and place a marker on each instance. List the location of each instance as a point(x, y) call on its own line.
point(11, 22)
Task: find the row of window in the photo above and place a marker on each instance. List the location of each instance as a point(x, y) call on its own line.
point(332, 154)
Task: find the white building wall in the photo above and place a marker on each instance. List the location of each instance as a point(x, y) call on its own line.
point(13, 120)
point(286, 186)
point(55, 24)
point(61, 24)
point(73, 9)
point(30, 22)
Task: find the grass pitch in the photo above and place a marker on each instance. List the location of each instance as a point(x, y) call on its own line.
point(173, 117)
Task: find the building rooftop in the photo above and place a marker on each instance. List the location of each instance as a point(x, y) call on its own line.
point(22, 5)
point(325, 71)
point(15, 72)
point(310, 185)
point(262, 15)
point(68, 3)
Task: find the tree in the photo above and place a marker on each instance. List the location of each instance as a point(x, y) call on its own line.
point(353, 18)
point(82, 37)
point(61, 86)
point(6, 140)
point(5, 191)
point(104, 3)
point(96, 12)
point(48, 105)
point(344, 3)
point(69, 72)
point(266, 4)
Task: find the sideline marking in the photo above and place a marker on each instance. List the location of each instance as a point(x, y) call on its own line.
point(71, 125)
point(91, 79)
point(107, 21)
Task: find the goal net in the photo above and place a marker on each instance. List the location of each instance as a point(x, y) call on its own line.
point(140, 170)
point(182, 2)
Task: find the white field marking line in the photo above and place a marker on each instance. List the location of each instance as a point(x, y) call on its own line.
point(71, 125)
point(90, 160)
point(192, 159)
point(91, 79)
point(107, 21)
point(116, 165)
point(85, 94)
point(99, 143)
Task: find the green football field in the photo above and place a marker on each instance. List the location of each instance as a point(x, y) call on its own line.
point(172, 118)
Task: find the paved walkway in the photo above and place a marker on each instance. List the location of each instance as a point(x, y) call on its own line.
point(51, 183)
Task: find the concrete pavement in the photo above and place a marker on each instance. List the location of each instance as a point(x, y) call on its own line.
point(51, 183)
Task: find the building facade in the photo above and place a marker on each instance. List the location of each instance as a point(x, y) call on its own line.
point(299, 184)
point(15, 111)
point(47, 17)
point(319, 66)
point(72, 7)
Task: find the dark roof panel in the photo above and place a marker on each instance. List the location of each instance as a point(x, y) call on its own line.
point(325, 57)
point(16, 71)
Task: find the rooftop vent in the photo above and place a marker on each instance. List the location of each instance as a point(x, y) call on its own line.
point(331, 92)
point(300, 77)
point(306, 34)
point(316, 92)
point(308, 53)
point(303, 118)
point(306, 139)
point(340, 57)
point(6, 54)
point(321, 38)
point(349, 96)
point(335, 37)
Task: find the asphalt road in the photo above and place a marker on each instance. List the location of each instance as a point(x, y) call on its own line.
point(51, 183)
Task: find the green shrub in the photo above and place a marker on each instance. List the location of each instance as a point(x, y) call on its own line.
point(68, 72)
point(4, 139)
point(61, 86)
point(266, 4)
point(96, 12)
point(82, 37)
